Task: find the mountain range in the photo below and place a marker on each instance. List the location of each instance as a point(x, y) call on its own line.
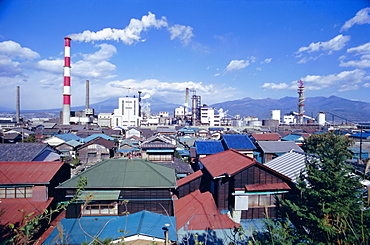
point(336, 109)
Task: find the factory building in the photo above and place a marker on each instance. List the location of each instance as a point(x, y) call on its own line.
point(128, 113)
point(208, 117)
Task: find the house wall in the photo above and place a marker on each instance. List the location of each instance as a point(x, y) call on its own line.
point(188, 188)
point(152, 200)
point(93, 153)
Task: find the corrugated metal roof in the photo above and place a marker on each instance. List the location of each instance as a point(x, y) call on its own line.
point(198, 211)
point(189, 178)
point(67, 137)
point(28, 172)
point(125, 173)
point(290, 164)
point(208, 147)
point(229, 162)
point(93, 136)
point(278, 146)
point(13, 209)
point(140, 223)
point(266, 137)
point(238, 142)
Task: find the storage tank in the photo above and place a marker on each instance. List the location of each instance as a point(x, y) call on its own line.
point(275, 115)
point(321, 118)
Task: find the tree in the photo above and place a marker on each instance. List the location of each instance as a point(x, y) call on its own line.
point(327, 208)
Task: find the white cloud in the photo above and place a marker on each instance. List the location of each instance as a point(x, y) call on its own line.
point(365, 48)
point(237, 65)
point(275, 86)
point(362, 17)
point(335, 44)
point(364, 62)
point(343, 81)
point(15, 50)
point(132, 33)
point(184, 33)
point(128, 35)
point(266, 61)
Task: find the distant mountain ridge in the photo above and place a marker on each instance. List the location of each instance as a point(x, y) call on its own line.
point(343, 109)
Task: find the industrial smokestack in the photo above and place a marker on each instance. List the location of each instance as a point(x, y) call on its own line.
point(186, 101)
point(301, 100)
point(139, 103)
point(87, 104)
point(17, 106)
point(67, 82)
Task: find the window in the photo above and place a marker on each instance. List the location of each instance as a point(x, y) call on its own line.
point(101, 209)
point(262, 200)
point(16, 192)
point(158, 157)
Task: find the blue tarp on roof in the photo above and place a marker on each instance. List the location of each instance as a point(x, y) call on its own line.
point(140, 223)
point(208, 147)
point(238, 142)
point(358, 135)
point(67, 137)
point(293, 137)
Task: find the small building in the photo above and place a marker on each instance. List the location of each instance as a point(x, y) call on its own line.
point(95, 151)
point(268, 150)
point(238, 142)
point(117, 186)
point(28, 152)
point(29, 187)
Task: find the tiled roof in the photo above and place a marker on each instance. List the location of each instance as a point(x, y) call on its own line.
point(21, 151)
point(278, 146)
point(142, 223)
point(179, 165)
point(158, 145)
point(290, 164)
point(266, 137)
point(208, 147)
point(238, 142)
point(198, 211)
point(125, 173)
point(229, 162)
point(28, 172)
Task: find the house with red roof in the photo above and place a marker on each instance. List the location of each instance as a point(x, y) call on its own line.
point(28, 187)
point(238, 186)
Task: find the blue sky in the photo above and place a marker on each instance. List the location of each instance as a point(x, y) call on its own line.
point(224, 50)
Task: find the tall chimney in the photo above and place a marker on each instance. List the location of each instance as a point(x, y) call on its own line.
point(87, 95)
point(67, 82)
point(17, 106)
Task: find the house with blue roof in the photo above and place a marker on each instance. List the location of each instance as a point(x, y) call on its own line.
point(238, 142)
point(94, 136)
point(139, 228)
point(58, 139)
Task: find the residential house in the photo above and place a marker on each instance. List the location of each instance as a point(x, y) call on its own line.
point(68, 148)
point(187, 131)
point(298, 138)
point(118, 186)
point(28, 187)
point(28, 152)
point(132, 132)
point(95, 150)
point(268, 150)
point(161, 149)
point(240, 186)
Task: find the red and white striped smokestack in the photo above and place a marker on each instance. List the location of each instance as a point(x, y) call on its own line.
point(67, 82)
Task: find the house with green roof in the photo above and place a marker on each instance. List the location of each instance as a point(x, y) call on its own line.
point(118, 186)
